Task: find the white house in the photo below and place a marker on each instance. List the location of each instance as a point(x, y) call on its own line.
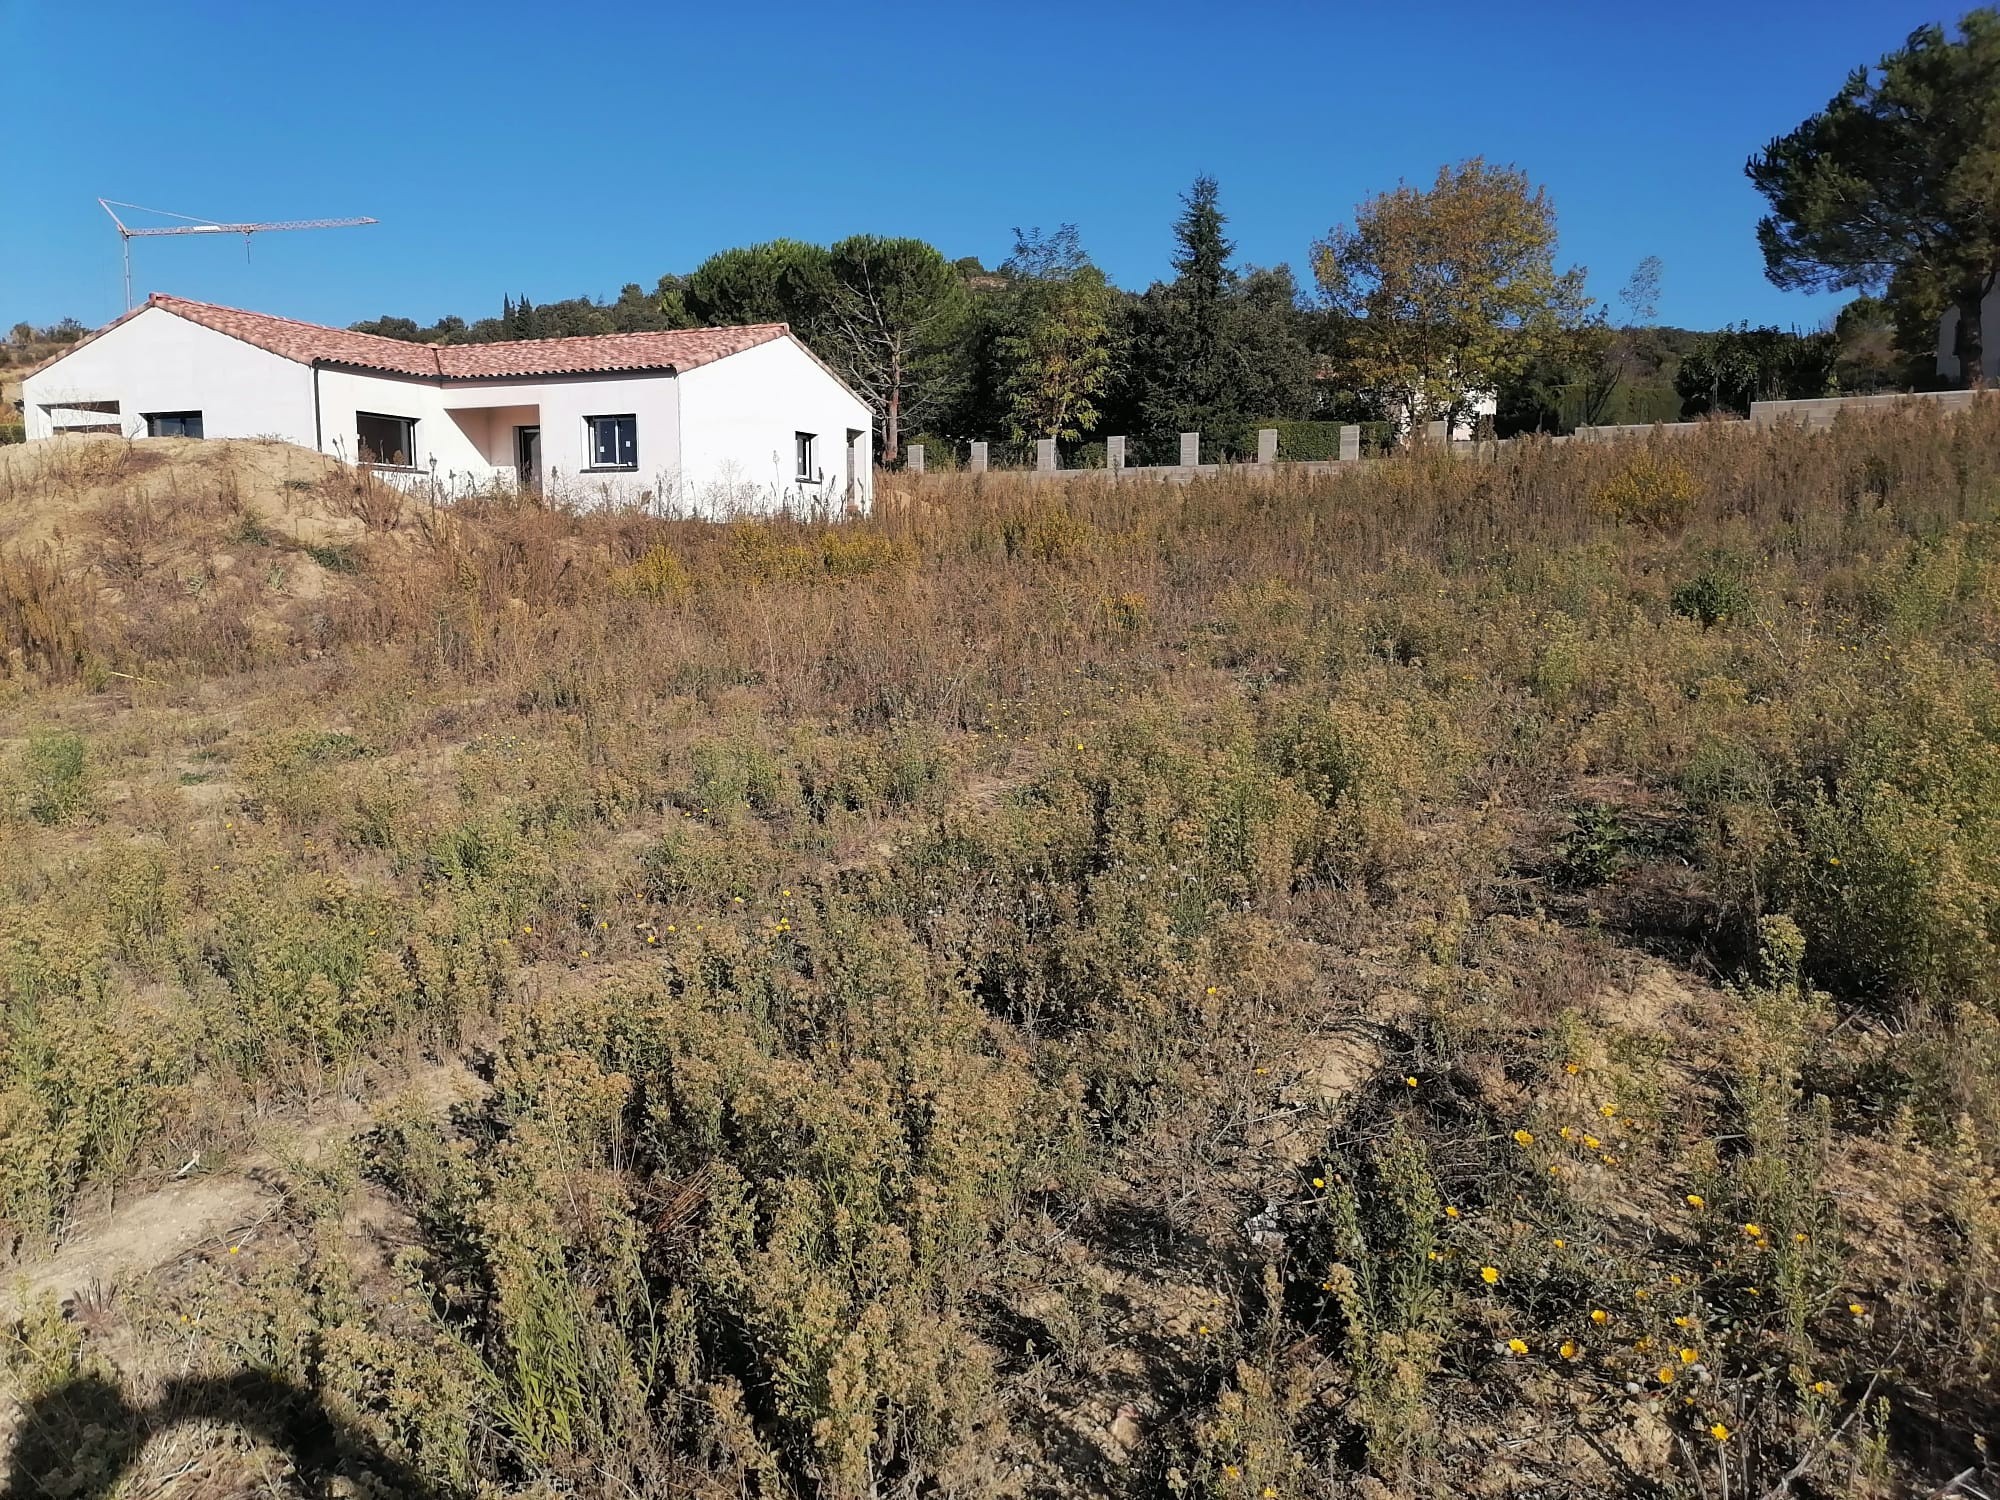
point(705, 420)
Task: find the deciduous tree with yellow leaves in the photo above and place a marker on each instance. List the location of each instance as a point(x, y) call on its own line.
point(1450, 290)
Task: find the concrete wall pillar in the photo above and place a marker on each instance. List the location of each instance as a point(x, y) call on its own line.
point(1437, 432)
point(1267, 445)
point(1350, 444)
point(977, 463)
point(915, 457)
point(1045, 453)
point(1114, 454)
point(1190, 449)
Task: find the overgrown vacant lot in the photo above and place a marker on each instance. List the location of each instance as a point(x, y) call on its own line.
point(1451, 979)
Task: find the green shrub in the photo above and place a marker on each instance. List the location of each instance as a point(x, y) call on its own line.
point(1718, 595)
point(56, 776)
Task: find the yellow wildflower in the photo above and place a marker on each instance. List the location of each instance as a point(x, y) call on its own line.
point(1489, 1274)
point(1719, 1432)
point(1523, 1138)
point(1516, 1346)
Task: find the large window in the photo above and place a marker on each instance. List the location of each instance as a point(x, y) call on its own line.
point(83, 416)
point(614, 441)
point(389, 441)
point(173, 424)
point(807, 470)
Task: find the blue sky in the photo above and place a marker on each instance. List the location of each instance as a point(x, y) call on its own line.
point(558, 150)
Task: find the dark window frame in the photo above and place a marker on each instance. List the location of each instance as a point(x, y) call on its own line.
point(806, 447)
point(624, 443)
point(409, 426)
point(156, 420)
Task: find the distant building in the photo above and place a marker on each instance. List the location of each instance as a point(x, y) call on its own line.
point(706, 420)
point(1477, 406)
point(1947, 347)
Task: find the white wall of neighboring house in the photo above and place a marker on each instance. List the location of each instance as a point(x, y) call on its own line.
point(1464, 423)
point(157, 362)
point(1989, 326)
point(468, 428)
point(740, 420)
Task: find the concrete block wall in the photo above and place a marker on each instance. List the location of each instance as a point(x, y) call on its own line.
point(1822, 412)
point(1117, 454)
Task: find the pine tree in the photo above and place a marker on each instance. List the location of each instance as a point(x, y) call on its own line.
point(1894, 188)
point(1212, 350)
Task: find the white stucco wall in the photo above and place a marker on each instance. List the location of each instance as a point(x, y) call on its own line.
point(468, 428)
point(739, 421)
point(158, 362)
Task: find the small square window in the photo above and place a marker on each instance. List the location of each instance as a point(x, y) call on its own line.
point(173, 424)
point(388, 441)
point(614, 441)
point(807, 469)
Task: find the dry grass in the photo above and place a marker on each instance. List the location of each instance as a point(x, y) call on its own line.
point(1044, 991)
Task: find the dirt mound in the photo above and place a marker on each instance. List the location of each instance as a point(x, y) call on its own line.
point(55, 489)
point(143, 550)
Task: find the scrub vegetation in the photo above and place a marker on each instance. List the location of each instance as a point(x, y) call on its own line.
point(1450, 978)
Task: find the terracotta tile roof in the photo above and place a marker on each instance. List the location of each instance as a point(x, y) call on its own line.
point(305, 342)
point(679, 349)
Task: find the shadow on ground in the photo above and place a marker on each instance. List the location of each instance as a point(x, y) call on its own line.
point(81, 1439)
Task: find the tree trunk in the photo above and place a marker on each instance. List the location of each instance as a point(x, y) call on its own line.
point(892, 419)
point(1970, 343)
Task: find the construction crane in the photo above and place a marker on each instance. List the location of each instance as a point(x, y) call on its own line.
point(192, 225)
